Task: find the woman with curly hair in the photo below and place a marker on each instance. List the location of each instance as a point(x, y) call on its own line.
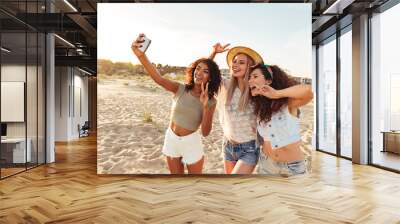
point(276, 99)
point(193, 108)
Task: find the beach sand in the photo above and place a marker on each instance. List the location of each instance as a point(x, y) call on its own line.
point(133, 116)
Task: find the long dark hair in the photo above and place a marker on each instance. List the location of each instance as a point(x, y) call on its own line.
point(264, 107)
point(214, 82)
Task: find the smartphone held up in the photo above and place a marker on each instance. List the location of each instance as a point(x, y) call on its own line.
point(145, 43)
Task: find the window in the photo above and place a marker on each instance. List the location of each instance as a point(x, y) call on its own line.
point(385, 89)
point(346, 93)
point(327, 96)
point(22, 67)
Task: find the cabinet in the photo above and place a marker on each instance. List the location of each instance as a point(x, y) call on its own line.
point(391, 141)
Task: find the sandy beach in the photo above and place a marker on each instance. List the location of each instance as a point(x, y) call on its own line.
point(133, 115)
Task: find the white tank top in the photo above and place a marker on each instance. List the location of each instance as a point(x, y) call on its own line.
point(239, 126)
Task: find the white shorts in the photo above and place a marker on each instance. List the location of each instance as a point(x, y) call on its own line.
point(189, 147)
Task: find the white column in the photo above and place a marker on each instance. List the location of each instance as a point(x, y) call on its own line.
point(360, 90)
point(50, 92)
point(50, 99)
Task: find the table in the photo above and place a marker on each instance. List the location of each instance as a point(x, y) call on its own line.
point(391, 141)
point(17, 149)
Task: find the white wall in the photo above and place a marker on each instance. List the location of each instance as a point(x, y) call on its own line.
point(81, 83)
point(70, 82)
point(13, 101)
point(62, 81)
point(14, 73)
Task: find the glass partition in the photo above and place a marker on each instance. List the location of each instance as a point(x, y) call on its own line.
point(23, 91)
point(346, 93)
point(14, 154)
point(385, 88)
point(327, 96)
point(32, 95)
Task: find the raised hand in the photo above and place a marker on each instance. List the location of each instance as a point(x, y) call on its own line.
point(204, 94)
point(137, 44)
point(218, 48)
point(268, 91)
point(256, 90)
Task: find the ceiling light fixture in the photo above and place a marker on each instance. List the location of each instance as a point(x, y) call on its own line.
point(64, 40)
point(70, 5)
point(86, 72)
point(5, 50)
point(337, 7)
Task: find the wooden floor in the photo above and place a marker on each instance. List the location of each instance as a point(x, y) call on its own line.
point(387, 159)
point(10, 171)
point(70, 191)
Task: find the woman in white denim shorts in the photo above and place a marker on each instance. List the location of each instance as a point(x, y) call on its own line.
point(277, 98)
point(193, 108)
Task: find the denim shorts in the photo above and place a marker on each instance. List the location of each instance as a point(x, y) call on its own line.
point(248, 152)
point(269, 166)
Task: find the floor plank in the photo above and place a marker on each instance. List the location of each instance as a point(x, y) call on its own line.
point(70, 191)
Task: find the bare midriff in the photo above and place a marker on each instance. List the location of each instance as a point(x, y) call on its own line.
point(180, 131)
point(288, 153)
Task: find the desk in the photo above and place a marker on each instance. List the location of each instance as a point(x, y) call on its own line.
point(16, 147)
point(391, 141)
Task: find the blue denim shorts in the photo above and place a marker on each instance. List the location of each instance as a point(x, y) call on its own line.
point(248, 152)
point(271, 167)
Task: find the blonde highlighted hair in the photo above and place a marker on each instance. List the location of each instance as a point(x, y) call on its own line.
point(245, 96)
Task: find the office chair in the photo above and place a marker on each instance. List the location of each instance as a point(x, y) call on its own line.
point(84, 130)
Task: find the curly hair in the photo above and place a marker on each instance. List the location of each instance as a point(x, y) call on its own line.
point(264, 107)
point(214, 82)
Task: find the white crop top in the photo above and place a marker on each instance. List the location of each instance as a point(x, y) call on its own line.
point(283, 129)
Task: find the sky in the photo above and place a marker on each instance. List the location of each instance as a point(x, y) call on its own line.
point(181, 33)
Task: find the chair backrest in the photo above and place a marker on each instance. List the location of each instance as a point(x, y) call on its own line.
point(86, 125)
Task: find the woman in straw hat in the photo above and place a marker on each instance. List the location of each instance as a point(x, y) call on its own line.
point(236, 114)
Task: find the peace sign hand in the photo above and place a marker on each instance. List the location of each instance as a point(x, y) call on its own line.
point(218, 48)
point(204, 95)
point(256, 91)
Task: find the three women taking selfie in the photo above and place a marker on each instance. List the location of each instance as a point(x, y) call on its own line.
point(256, 100)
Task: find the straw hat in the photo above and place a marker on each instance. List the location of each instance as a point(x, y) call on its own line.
point(240, 49)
